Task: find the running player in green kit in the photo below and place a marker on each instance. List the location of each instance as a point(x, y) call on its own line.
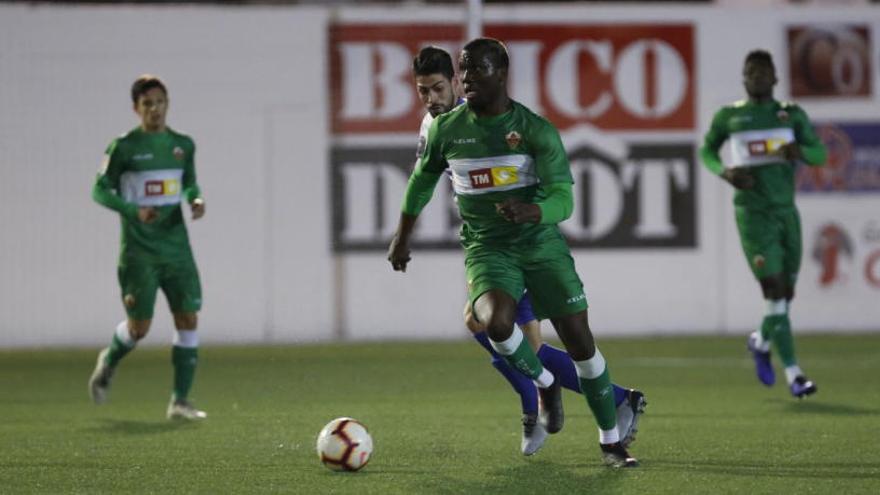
point(145, 176)
point(767, 139)
point(512, 183)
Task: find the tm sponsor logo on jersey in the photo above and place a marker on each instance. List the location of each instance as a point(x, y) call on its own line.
point(765, 146)
point(493, 177)
point(167, 187)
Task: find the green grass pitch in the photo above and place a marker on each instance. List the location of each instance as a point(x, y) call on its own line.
point(442, 419)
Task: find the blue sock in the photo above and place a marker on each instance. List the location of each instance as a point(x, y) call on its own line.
point(560, 364)
point(522, 385)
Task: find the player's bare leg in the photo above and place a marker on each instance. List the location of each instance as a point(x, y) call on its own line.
point(574, 330)
point(124, 340)
point(184, 356)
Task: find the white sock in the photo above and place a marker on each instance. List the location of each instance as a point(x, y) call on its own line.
point(776, 306)
point(792, 372)
point(591, 368)
point(545, 379)
point(124, 336)
point(509, 346)
point(186, 338)
point(608, 436)
point(759, 341)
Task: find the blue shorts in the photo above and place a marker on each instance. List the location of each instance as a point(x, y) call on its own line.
point(524, 313)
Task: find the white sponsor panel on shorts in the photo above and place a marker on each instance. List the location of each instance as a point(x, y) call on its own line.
point(751, 148)
point(151, 187)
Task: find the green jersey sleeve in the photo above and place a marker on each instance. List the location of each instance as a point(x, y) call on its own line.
point(558, 204)
point(106, 187)
point(551, 161)
point(812, 149)
point(426, 174)
point(191, 190)
point(714, 138)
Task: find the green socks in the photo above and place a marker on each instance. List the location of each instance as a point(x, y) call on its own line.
point(777, 329)
point(596, 387)
point(120, 345)
point(520, 356)
point(184, 360)
point(600, 398)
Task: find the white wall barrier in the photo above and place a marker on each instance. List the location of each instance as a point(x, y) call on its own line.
point(306, 120)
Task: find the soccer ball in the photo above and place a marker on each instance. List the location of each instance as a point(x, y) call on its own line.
point(345, 445)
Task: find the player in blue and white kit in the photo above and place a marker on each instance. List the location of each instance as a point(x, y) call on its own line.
point(437, 88)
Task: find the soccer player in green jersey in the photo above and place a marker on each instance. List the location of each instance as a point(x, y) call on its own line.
point(768, 138)
point(145, 176)
point(438, 89)
point(513, 185)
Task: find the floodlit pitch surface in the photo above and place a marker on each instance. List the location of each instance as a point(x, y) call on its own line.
point(442, 419)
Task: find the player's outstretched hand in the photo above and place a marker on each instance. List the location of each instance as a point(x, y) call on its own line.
point(514, 210)
point(398, 254)
point(790, 151)
point(739, 178)
point(147, 214)
point(198, 208)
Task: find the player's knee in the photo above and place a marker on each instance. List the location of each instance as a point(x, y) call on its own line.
point(773, 288)
point(138, 329)
point(186, 321)
point(470, 322)
point(499, 326)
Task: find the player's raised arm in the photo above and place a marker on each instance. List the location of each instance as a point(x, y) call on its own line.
point(106, 187)
point(419, 190)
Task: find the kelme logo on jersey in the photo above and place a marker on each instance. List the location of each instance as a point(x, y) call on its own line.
point(513, 139)
point(167, 187)
point(577, 298)
point(493, 177)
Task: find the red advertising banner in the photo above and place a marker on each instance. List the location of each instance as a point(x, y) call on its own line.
point(610, 76)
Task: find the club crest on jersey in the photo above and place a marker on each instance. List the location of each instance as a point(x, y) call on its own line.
point(782, 115)
point(178, 152)
point(513, 139)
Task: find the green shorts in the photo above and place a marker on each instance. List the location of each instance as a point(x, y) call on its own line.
point(771, 241)
point(547, 271)
point(140, 280)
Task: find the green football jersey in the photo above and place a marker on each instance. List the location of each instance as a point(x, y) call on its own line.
point(492, 159)
point(143, 169)
point(756, 131)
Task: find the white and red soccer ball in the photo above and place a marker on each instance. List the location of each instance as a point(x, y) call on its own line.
point(345, 445)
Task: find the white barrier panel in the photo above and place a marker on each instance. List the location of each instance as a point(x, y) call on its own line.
point(302, 194)
point(243, 84)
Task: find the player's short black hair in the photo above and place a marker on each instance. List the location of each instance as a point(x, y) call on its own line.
point(145, 83)
point(494, 49)
point(433, 60)
point(760, 56)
